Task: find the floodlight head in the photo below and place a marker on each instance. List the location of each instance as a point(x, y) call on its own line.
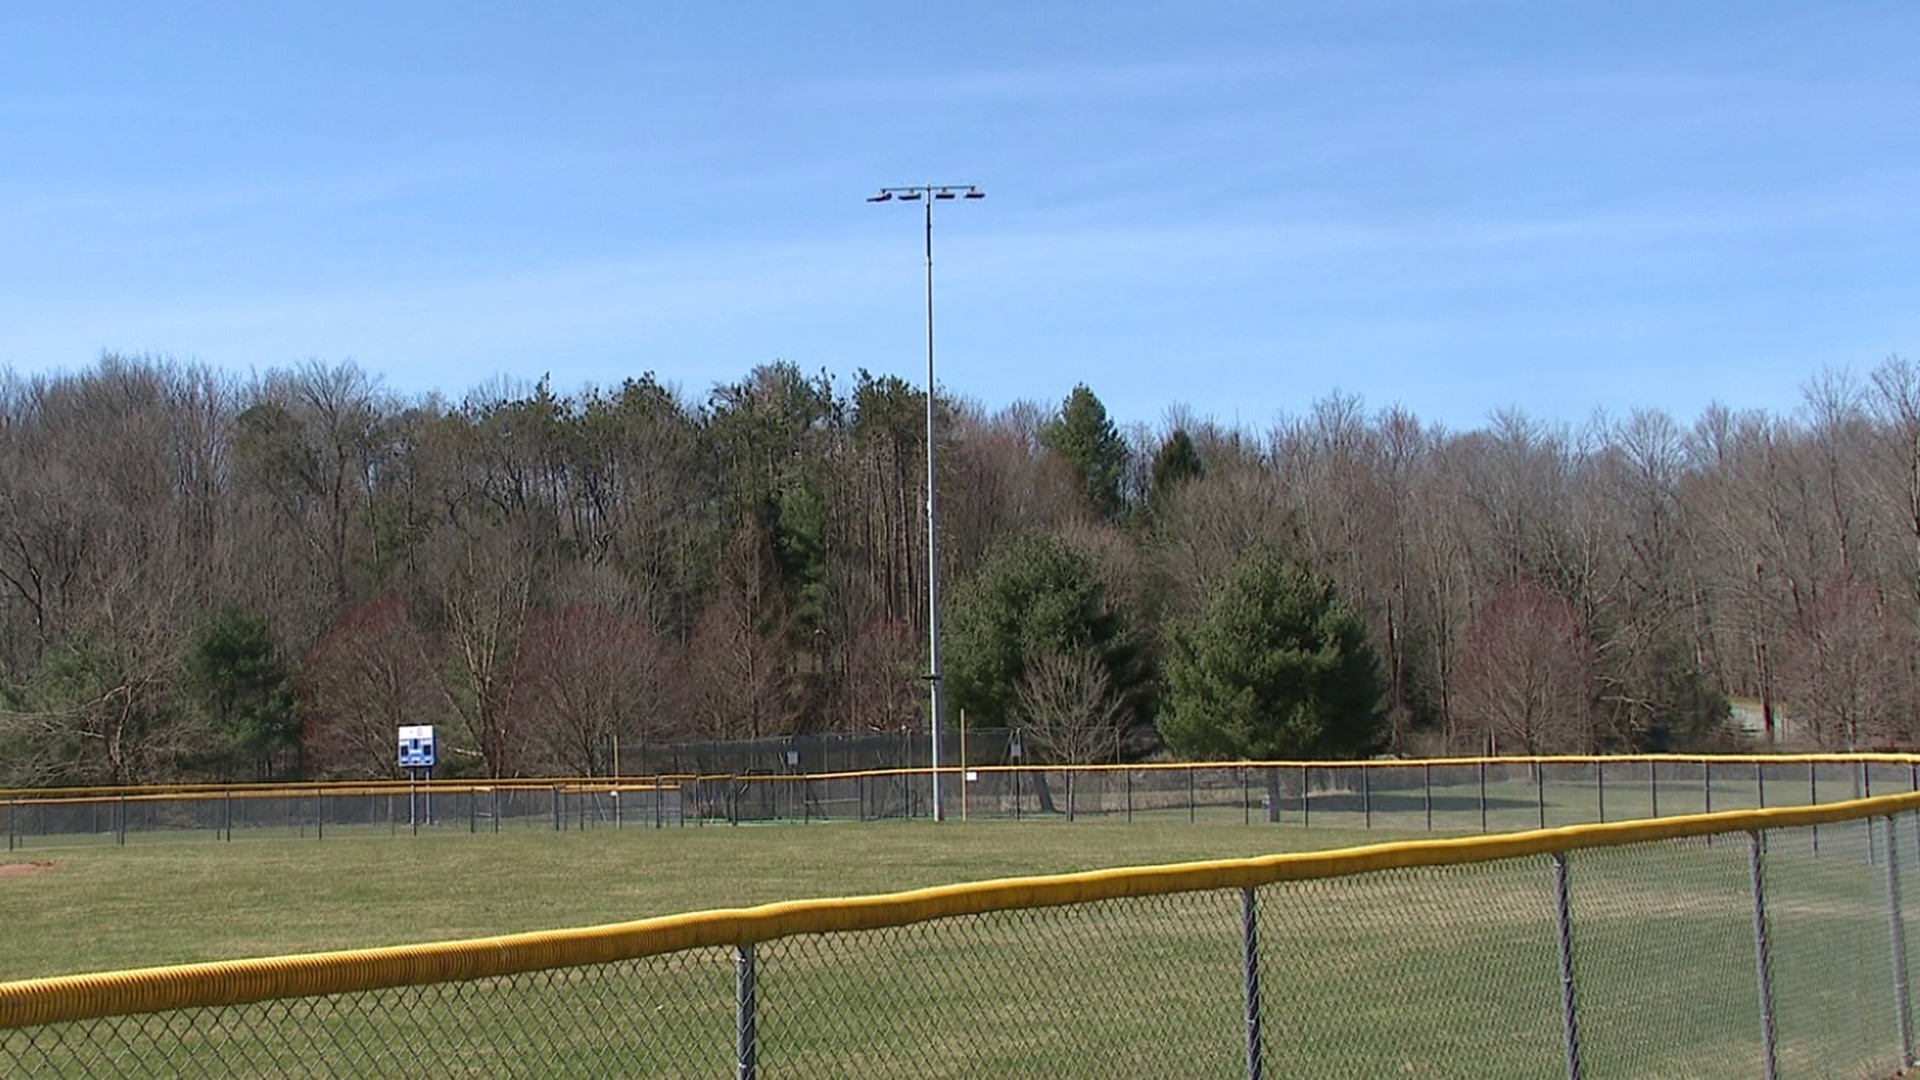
point(943, 194)
point(975, 193)
point(909, 196)
point(885, 196)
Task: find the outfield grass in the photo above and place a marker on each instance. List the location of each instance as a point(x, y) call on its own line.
point(185, 899)
point(1425, 972)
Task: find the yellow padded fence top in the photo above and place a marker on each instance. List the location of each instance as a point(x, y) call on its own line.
point(79, 997)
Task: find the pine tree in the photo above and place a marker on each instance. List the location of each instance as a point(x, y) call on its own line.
point(1276, 667)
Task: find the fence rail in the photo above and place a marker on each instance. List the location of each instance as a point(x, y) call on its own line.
point(1758, 942)
point(1444, 795)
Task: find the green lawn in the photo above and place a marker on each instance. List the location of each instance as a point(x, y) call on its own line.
point(1441, 972)
point(184, 897)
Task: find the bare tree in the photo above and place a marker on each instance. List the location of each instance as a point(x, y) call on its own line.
point(1523, 678)
point(880, 689)
point(1844, 672)
point(1067, 706)
point(589, 681)
point(367, 677)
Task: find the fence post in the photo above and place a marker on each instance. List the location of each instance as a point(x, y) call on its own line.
point(121, 831)
point(1600, 789)
point(1813, 799)
point(1569, 1011)
point(1250, 959)
point(1540, 790)
point(1762, 960)
point(12, 808)
point(1304, 778)
point(1653, 785)
point(493, 796)
point(1246, 796)
point(1760, 784)
point(746, 1039)
point(1706, 788)
point(1129, 796)
point(1426, 776)
point(1902, 1011)
point(1483, 795)
point(559, 823)
point(319, 814)
point(1366, 795)
point(1866, 792)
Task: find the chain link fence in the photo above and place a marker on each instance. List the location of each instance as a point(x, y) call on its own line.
point(1755, 943)
point(1442, 796)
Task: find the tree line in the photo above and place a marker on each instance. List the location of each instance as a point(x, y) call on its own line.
point(208, 576)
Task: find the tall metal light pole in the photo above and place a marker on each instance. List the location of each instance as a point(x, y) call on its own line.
point(927, 195)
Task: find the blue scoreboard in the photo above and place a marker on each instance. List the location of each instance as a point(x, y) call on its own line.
point(416, 747)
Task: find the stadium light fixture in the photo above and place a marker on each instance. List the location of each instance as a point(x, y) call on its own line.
point(926, 195)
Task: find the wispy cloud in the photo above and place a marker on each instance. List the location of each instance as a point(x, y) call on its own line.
point(1208, 74)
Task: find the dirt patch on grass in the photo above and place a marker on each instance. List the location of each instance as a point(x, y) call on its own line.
point(24, 869)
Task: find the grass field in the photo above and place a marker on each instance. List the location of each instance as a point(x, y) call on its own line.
point(178, 899)
point(1442, 972)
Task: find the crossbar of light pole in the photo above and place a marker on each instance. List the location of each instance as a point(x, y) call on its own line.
point(927, 195)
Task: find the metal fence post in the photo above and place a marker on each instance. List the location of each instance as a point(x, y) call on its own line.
point(746, 1039)
point(1902, 1011)
point(1760, 784)
point(1600, 789)
point(1569, 1011)
point(1866, 792)
point(1426, 776)
point(1304, 819)
point(1762, 960)
point(1540, 790)
point(1813, 799)
point(1366, 795)
point(1483, 795)
point(319, 814)
point(1653, 786)
point(1250, 962)
point(1706, 788)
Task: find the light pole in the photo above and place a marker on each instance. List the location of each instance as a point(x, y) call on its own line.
point(927, 195)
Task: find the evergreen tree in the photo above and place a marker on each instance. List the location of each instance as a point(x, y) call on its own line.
point(241, 684)
point(1035, 596)
point(1175, 463)
point(1085, 438)
point(1277, 666)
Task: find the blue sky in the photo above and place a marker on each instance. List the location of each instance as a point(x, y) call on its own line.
point(1243, 207)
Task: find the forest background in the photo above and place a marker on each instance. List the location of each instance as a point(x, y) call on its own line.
point(205, 576)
